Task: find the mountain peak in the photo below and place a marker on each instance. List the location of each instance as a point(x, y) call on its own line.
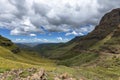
point(111, 17)
point(108, 24)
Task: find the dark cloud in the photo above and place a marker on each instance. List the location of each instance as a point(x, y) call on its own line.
point(21, 8)
point(23, 17)
point(41, 9)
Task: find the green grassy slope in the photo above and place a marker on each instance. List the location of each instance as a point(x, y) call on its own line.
point(27, 58)
point(46, 47)
point(55, 50)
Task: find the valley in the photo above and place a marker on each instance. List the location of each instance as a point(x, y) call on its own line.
point(95, 56)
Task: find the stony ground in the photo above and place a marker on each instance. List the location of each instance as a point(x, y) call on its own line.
point(32, 74)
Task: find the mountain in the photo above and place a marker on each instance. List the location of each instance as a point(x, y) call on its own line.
point(31, 44)
point(44, 48)
point(24, 46)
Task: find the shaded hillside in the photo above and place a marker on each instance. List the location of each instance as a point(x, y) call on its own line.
point(46, 47)
point(24, 47)
point(8, 44)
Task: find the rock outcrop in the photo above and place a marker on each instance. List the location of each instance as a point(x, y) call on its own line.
point(33, 74)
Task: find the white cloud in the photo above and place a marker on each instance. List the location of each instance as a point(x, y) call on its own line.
point(40, 40)
point(59, 38)
point(20, 40)
point(33, 35)
point(74, 33)
point(32, 40)
point(66, 40)
point(24, 17)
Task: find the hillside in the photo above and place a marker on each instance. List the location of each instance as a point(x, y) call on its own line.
point(24, 46)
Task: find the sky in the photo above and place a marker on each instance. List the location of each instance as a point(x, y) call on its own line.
point(51, 21)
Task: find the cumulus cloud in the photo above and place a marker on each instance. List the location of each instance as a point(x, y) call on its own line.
point(81, 31)
point(73, 33)
point(24, 17)
point(20, 40)
point(33, 35)
point(59, 38)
